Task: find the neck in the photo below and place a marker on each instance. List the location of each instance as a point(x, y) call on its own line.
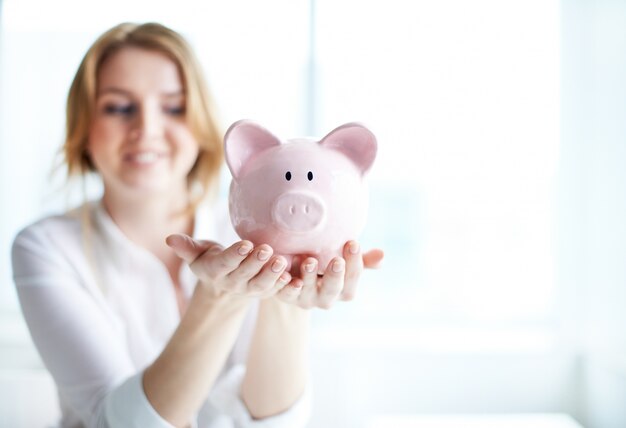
point(148, 220)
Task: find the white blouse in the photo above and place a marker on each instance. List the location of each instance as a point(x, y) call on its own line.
point(100, 309)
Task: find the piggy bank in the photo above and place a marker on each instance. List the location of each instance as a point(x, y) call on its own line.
point(300, 196)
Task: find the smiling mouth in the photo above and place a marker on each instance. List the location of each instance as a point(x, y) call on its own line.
point(144, 158)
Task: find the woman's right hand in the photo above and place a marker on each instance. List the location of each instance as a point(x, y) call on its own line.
point(240, 269)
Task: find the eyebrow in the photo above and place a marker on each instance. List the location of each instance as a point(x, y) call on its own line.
point(115, 90)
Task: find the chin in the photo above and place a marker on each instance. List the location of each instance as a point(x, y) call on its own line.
point(154, 187)
point(147, 184)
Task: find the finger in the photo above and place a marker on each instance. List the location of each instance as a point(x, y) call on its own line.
point(252, 264)
point(373, 258)
point(284, 279)
point(331, 283)
point(291, 291)
point(269, 275)
point(354, 267)
point(221, 263)
point(308, 272)
point(280, 283)
point(186, 247)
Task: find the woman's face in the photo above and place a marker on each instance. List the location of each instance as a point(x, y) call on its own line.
point(139, 140)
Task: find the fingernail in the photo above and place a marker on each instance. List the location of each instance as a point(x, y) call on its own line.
point(278, 265)
point(263, 255)
point(354, 248)
point(309, 267)
point(285, 277)
point(244, 249)
point(337, 266)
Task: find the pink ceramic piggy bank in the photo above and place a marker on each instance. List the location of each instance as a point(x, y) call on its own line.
point(299, 196)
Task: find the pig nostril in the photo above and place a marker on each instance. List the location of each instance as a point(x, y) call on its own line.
point(298, 212)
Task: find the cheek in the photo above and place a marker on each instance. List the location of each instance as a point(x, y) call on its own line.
point(96, 143)
point(102, 134)
point(183, 141)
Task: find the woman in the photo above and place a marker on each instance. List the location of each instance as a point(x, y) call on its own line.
point(142, 331)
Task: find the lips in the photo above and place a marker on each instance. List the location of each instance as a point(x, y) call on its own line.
point(144, 158)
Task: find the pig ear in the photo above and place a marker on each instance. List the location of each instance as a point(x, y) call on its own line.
point(356, 142)
point(243, 141)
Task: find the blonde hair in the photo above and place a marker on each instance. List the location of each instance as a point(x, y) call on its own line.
point(200, 111)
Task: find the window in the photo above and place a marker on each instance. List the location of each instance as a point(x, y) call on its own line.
point(464, 99)
point(462, 96)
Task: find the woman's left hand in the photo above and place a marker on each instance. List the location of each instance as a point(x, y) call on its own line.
point(339, 281)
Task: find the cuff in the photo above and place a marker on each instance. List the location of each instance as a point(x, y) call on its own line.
point(226, 397)
point(127, 406)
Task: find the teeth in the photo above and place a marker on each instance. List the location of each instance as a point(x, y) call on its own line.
point(147, 157)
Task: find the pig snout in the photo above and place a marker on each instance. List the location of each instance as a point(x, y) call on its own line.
point(298, 212)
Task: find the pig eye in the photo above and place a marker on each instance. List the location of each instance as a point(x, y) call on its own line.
point(288, 175)
point(310, 176)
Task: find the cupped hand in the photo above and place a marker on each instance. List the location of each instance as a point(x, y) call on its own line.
point(240, 269)
point(339, 281)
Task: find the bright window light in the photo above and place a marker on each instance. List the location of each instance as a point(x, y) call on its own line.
point(463, 96)
point(464, 99)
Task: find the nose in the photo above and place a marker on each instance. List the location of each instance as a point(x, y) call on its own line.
point(148, 123)
point(298, 212)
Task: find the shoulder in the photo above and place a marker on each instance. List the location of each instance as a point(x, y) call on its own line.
point(51, 230)
point(51, 241)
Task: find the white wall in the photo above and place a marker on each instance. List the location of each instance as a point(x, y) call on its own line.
point(593, 202)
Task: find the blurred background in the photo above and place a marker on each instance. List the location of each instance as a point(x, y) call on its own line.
point(499, 192)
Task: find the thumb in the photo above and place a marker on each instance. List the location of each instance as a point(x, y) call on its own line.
point(186, 247)
point(373, 258)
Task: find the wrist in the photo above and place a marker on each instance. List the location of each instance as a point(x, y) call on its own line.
point(288, 312)
point(209, 295)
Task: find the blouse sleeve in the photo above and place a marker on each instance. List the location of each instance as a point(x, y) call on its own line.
point(78, 342)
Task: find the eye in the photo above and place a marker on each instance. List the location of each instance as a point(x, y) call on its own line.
point(175, 111)
point(310, 176)
point(288, 175)
point(120, 109)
